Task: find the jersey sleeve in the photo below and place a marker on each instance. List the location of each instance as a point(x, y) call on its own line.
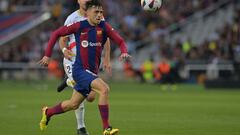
point(62, 31)
point(112, 34)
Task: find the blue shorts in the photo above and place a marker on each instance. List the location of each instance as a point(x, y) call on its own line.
point(83, 79)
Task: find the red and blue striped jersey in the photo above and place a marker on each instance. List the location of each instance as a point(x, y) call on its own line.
point(90, 42)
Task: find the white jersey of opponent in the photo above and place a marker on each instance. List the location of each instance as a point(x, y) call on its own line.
point(72, 18)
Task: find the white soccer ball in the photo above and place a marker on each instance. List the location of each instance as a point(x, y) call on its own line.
point(151, 5)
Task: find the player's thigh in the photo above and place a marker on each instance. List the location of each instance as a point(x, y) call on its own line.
point(77, 98)
point(99, 85)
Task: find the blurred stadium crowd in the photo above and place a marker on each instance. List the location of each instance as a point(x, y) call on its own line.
point(139, 28)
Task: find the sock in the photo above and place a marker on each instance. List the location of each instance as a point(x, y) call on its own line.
point(54, 110)
point(104, 112)
point(80, 116)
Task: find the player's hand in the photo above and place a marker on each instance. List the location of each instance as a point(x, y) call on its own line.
point(68, 54)
point(44, 61)
point(107, 66)
point(124, 57)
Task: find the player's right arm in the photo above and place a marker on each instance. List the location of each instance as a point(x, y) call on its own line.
point(62, 31)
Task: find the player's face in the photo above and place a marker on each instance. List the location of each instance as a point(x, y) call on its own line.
point(82, 3)
point(95, 15)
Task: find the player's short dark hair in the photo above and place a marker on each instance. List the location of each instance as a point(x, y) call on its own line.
point(93, 3)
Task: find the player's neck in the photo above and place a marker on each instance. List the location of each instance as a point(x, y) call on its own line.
point(91, 23)
point(82, 12)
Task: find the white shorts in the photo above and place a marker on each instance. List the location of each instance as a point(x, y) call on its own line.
point(67, 64)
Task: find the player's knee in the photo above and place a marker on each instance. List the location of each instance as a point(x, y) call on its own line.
point(91, 96)
point(74, 105)
point(90, 99)
point(105, 90)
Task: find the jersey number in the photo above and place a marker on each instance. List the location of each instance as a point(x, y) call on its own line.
point(69, 69)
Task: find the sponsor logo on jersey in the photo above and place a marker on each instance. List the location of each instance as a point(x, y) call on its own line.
point(95, 44)
point(85, 44)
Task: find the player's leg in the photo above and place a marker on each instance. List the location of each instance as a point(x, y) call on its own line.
point(91, 97)
point(67, 81)
point(67, 105)
point(80, 113)
point(103, 89)
point(62, 85)
point(81, 128)
point(74, 102)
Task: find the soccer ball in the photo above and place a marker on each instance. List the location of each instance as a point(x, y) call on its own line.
point(151, 5)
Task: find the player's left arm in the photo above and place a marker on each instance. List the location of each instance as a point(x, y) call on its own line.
point(106, 62)
point(112, 34)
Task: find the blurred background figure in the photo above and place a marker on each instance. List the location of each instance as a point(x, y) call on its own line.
point(166, 74)
point(147, 69)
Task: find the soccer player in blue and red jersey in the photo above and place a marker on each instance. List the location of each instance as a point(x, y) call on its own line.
point(68, 47)
point(91, 35)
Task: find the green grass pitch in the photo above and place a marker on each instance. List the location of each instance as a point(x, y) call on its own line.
point(136, 109)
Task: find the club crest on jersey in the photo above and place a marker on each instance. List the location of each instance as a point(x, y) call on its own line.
point(84, 43)
point(99, 32)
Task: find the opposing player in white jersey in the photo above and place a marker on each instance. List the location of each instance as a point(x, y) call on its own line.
point(68, 46)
